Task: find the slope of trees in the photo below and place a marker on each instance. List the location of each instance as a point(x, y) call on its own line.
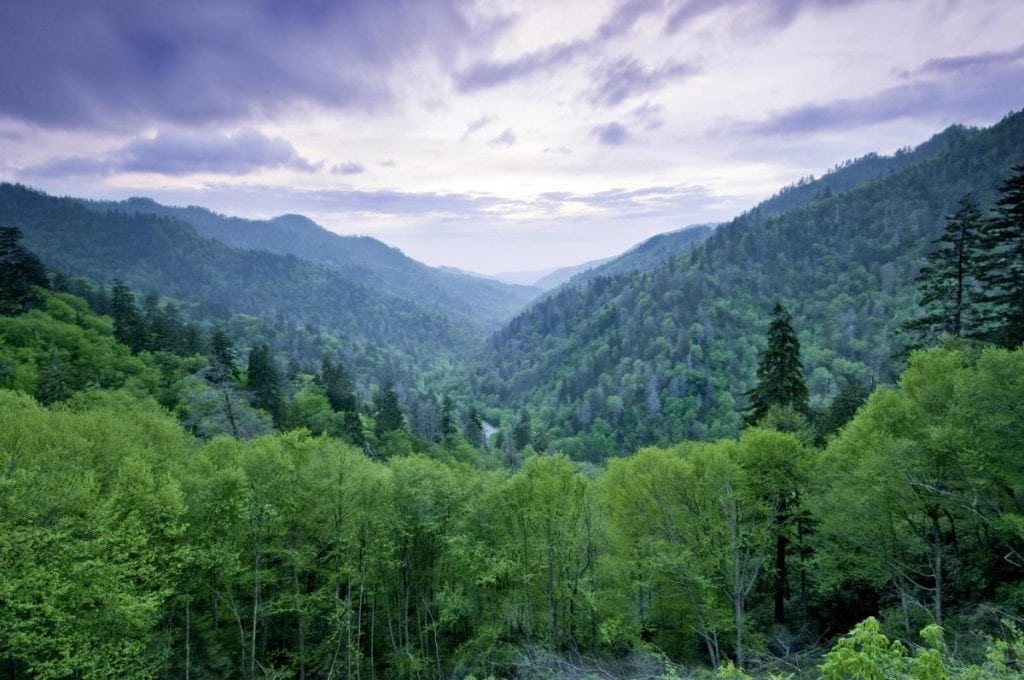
point(129, 548)
point(478, 303)
point(668, 354)
point(294, 297)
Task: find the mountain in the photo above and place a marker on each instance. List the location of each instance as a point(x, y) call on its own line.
point(648, 254)
point(482, 304)
point(655, 356)
point(524, 278)
point(379, 331)
point(560, 276)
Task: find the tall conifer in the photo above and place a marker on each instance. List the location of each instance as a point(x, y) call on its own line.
point(780, 375)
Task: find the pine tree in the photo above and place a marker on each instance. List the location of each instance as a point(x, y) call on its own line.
point(1004, 272)
point(389, 412)
point(448, 427)
point(265, 383)
point(780, 374)
point(337, 385)
point(522, 433)
point(223, 364)
point(20, 270)
point(128, 327)
point(948, 283)
point(473, 429)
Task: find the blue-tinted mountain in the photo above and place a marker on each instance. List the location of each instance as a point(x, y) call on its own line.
point(479, 303)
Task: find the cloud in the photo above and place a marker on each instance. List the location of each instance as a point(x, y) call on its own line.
point(486, 74)
point(348, 168)
point(947, 65)
point(627, 78)
point(388, 163)
point(122, 64)
point(183, 154)
point(506, 138)
point(968, 95)
point(624, 18)
point(612, 134)
point(478, 124)
point(648, 116)
point(776, 14)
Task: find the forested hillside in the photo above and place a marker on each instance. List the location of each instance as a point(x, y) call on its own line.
point(476, 302)
point(289, 299)
point(666, 355)
point(131, 548)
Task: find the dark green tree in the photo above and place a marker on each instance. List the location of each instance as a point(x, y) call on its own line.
point(20, 270)
point(223, 361)
point(947, 283)
point(522, 433)
point(843, 408)
point(264, 381)
point(128, 327)
point(473, 429)
point(448, 427)
point(780, 375)
point(1003, 275)
point(337, 384)
point(353, 429)
point(388, 411)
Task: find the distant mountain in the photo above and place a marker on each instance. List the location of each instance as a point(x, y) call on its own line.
point(379, 331)
point(480, 303)
point(560, 276)
point(524, 278)
point(620, 360)
point(648, 254)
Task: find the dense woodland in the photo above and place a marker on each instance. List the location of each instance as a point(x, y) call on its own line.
point(666, 354)
point(754, 459)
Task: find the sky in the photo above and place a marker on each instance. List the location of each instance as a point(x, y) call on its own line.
point(490, 136)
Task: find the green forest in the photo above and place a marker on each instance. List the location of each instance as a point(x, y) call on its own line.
point(789, 448)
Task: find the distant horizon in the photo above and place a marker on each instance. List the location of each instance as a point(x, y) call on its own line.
point(488, 137)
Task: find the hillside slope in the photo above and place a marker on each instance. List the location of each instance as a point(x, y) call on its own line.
point(659, 356)
point(155, 253)
point(483, 304)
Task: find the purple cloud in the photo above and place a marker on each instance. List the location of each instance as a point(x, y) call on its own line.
point(776, 14)
point(955, 99)
point(487, 74)
point(183, 154)
point(945, 65)
point(626, 16)
point(612, 134)
point(478, 124)
point(348, 168)
point(118, 64)
point(506, 138)
point(627, 78)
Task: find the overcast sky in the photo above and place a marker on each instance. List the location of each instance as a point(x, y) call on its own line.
point(491, 136)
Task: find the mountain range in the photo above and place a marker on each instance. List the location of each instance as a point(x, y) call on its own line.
point(656, 345)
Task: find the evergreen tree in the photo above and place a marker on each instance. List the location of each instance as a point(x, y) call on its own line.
point(223, 364)
point(522, 432)
point(337, 385)
point(20, 270)
point(389, 412)
point(128, 327)
point(779, 374)
point(352, 427)
point(265, 383)
point(473, 429)
point(1004, 272)
point(948, 282)
point(448, 427)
